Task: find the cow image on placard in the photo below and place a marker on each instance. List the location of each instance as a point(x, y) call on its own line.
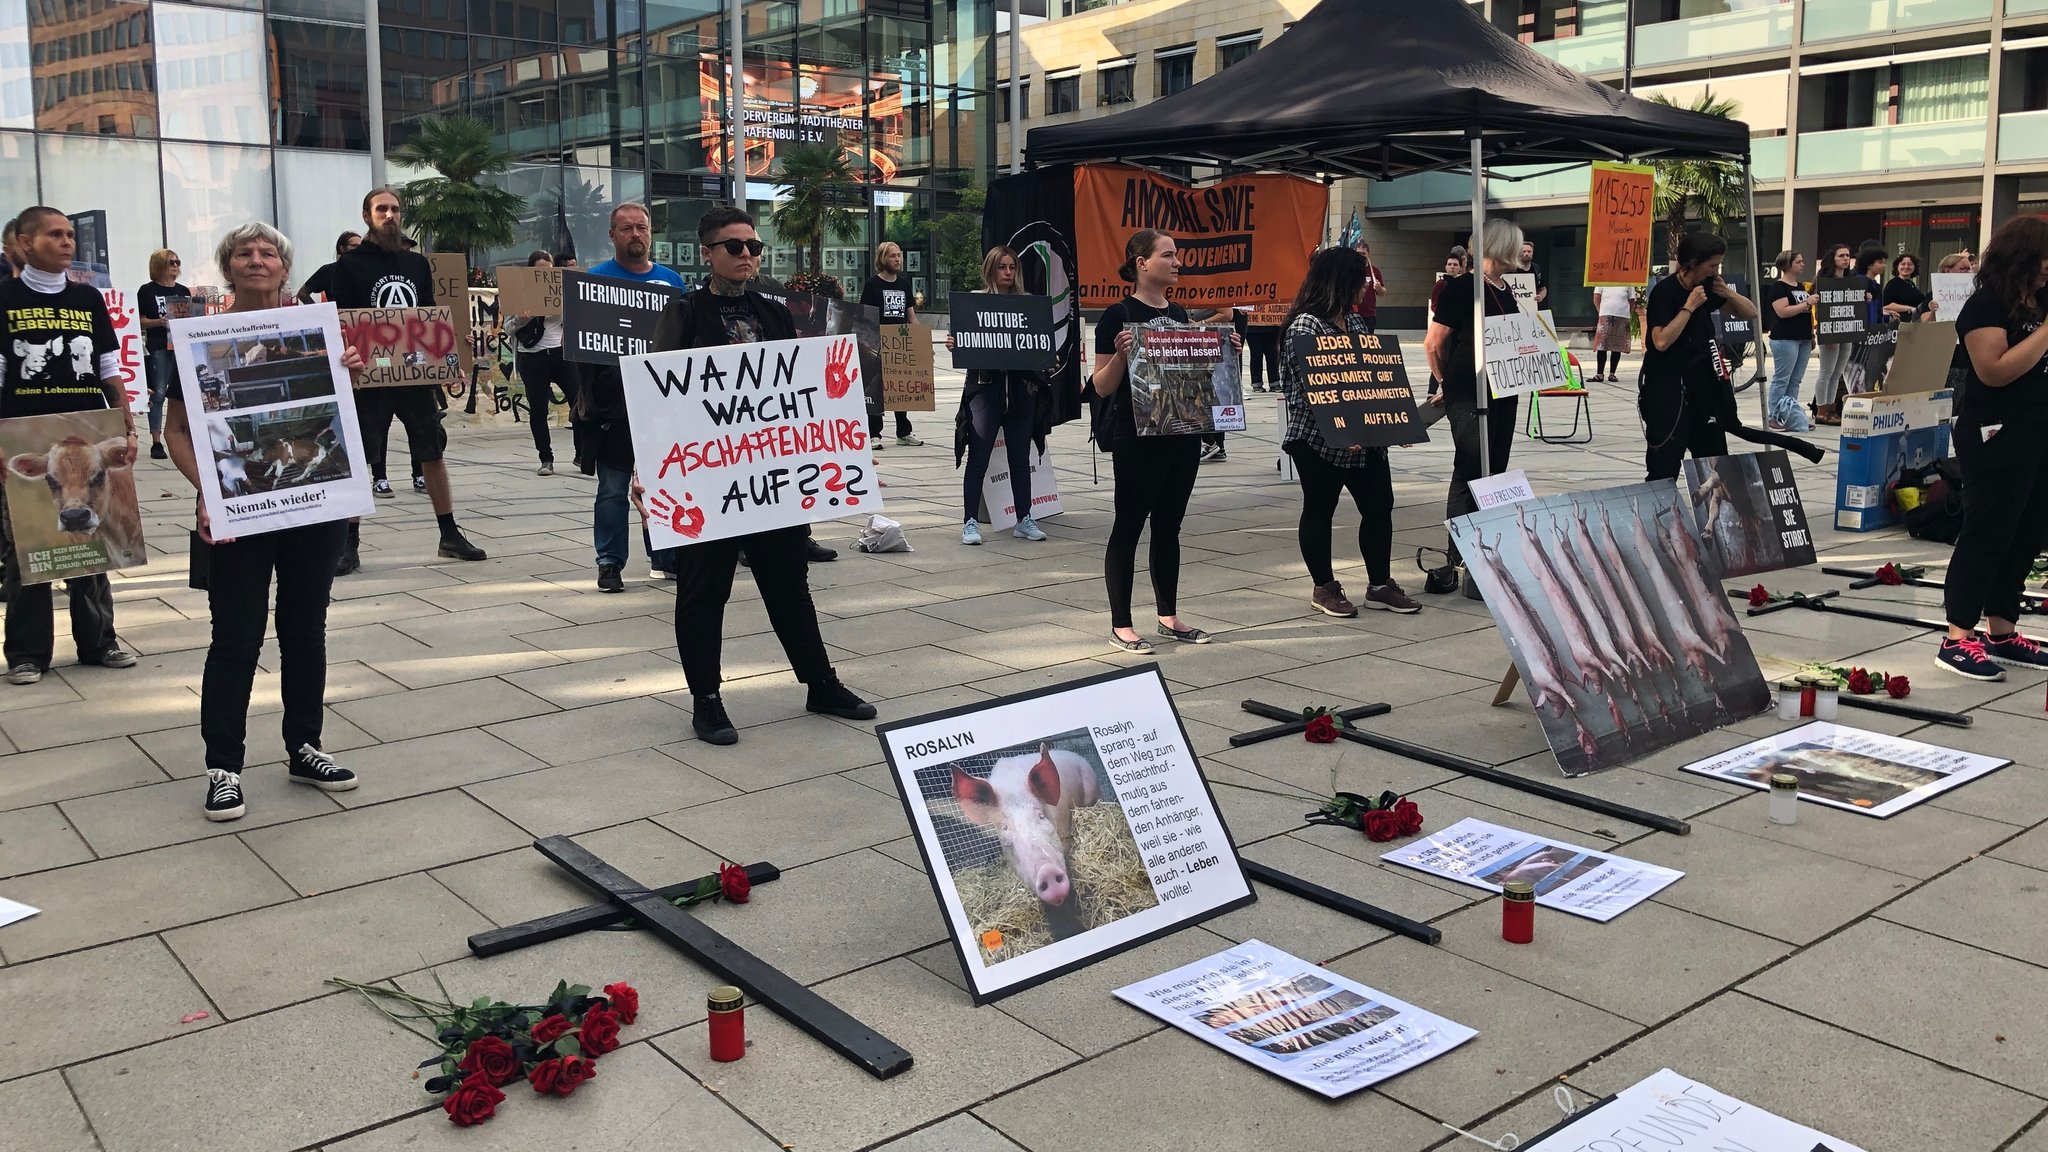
point(1037, 843)
point(71, 500)
point(273, 449)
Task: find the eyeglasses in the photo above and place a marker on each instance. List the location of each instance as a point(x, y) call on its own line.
point(741, 247)
point(175, 262)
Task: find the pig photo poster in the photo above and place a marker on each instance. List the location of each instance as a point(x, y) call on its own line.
point(1062, 826)
point(71, 494)
point(1675, 1113)
point(1748, 513)
point(743, 438)
point(273, 416)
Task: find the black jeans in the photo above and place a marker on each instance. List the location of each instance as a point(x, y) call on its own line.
point(2005, 519)
point(777, 559)
point(537, 371)
point(1371, 484)
point(1013, 415)
point(1677, 418)
point(238, 594)
point(1155, 476)
point(31, 623)
point(1265, 346)
point(1500, 438)
point(412, 405)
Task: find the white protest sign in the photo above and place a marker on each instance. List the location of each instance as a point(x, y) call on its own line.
point(1507, 488)
point(1843, 767)
point(744, 438)
point(1302, 1023)
point(1674, 1113)
point(1521, 355)
point(130, 346)
point(1523, 285)
point(999, 504)
point(1585, 882)
point(1951, 290)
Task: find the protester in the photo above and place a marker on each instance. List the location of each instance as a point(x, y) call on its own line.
point(887, 294)
point(2001, 421)
point(12, 261)
point(1337, 279)
point(1957, 262)
point(1788, 314)
point(1264, 342)
point(1368, 306)
point(538, 357)
point(320, 285)
point(1154, 475)
point(381, 273)
point(1016, 404)
point(256, 263)
point(1874, 353)
point(1903, 297)
point(1685, 385)
point(725, 311)
point(40, 308)
point(1834, 358)
point(1610, 337)
point(159, 370)
point(1448, 346)
point(1528, 264)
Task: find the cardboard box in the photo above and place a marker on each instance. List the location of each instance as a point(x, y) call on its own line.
point(1880, 434)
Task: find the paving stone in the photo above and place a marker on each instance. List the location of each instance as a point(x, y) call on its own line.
point(888, 675)
point(1987, 903)
point(136, 819)
point(520, 885)
point(580, 642)
point(581, 734)
point(274, 956)
point(794, 824)
point(2015, 794)
point(588, 682)
point(181, 752)
point(834, 916)
point(1079, 1010)
point(1764, 886)
point(889, 631)
point(82, 769)
point(76, 1007)
point(1400, 890)
point(2029, 848)
point(34, 839)
point(42, 1117)
point(134, 895)
point(427, 711)
point(383, 840)
point(598, 793)
point(781, 752)
point(1920, 841)
point(430, 764)
point(960, 1134)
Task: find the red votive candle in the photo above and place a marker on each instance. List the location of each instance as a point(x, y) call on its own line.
point(1518, 912)
point(727, 1007)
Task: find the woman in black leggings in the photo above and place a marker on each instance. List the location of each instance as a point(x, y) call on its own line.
point(256, 260)
point(1155, 475)
point(1005, 402)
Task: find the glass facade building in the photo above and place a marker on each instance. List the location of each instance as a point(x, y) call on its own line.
point(180, 120)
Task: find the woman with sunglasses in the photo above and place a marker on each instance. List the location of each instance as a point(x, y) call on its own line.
point(158, 368)
point(1006, 402)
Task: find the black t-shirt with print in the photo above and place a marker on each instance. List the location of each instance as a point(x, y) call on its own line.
point(50, 347)
point(149, 301)
point(1116, 424)
point(1690, 350)
point(741, 321)
point(370, 277)
point(892, 298)
point(2027, 396)
point(1453, 310)
point(1796, 327)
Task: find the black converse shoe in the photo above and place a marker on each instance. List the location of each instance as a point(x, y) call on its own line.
point(713, 726)
point(312, 766)
point(224, 795)
point(831, 698)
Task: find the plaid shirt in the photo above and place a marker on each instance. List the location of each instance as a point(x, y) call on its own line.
point(1301, 422)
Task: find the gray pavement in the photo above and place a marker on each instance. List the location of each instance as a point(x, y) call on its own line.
point(1886, 981)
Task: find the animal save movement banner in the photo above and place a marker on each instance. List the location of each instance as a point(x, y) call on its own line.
point(273, 419)
point(1183, 379)
point(1619, 218)
point(1673, 1113)
point(1522, 355)
point(1062, 826)
point(908, 383)
point(1244, 240)
point(604, 319)
point(1303, 1023)
point(1844, 767)
point(401, 346)
point(1748, 513)
point(1582, 881)
point(71, 494)
point(747, 437)
point(1357, 388)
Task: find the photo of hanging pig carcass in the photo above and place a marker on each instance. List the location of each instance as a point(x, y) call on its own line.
point(265, 451)
point(1624, 643)
point(1037, 844)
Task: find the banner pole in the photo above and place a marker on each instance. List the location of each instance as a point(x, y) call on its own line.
point(1474, 249)
point(1756, 261)
point(1016, 86)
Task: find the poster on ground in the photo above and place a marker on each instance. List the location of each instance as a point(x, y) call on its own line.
point(1585, 882)
point(1844, 767)
point(1840, 312)
point(1062, 826)
point(1303, 1023)
point(1674, 1113)
point(908, 382)
point(1747, 511)
point(1241, 240)
point(403, 346)
point(1003, 332)
point(71, 494)
point(529, 292)
point(273, 419)
point(1623, 642)
point(604, 319)
point(1357, 388)
point(999, 504)
point(1951, 291)
point(1620, 216)
point(1522, 355)
point(743, 438)
point(1183, 380)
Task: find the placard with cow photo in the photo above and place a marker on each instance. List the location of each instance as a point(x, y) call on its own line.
point(273, 417)
point(71, 494)
point(1062, 826)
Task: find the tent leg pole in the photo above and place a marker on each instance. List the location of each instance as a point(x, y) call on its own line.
point(1480, 387)
point(1756, 262)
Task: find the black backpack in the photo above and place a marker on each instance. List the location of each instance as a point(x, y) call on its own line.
point(1939, 515)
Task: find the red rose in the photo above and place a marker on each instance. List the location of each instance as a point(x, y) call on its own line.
point(1898, 687)
point(474, 1102)
point(1759, 596)
point(1890, 575)
point(600, 1033)
point(491, 1058)
point(625, 1001)
point(1409, 816)
point(1859, 682)
point(1321, 730)
point(1381, 824)
point(551, 1029)
point(561, 1075)
point(733, 883)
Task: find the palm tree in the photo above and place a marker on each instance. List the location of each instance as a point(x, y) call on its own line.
point(813, 177)
point(1707, 190)
point(454, 210)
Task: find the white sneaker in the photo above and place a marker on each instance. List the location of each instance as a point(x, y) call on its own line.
point(1028, 529)
point(970, 533)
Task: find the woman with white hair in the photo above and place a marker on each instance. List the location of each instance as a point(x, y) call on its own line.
point(256, 260)
point(1449, 346)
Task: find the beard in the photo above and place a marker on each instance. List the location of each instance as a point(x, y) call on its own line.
point(389, 236)
point(634, 250)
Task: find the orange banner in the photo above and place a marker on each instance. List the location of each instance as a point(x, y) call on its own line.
point(1245, 240)
point(1619, 217)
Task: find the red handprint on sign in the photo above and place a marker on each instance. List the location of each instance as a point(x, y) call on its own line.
point(683, 519)
point(839, 373)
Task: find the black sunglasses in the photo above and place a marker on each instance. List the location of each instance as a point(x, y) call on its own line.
point(176, 261)
point(740, 247)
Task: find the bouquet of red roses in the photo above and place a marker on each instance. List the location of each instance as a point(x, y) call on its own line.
point(1385, 818)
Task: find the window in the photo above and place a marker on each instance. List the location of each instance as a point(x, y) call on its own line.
point(1062, 94)
point(1116, 83)
point(1022, 108)
point(1176, 69)
point(1235, 50)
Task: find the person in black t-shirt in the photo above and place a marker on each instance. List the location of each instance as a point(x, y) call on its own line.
point(886, 292)
point(320, 285)
point(57, 354)
point(1902, 297)
point(1448, 346)
point(1535, 271)
point(2001, 424)
point(158, 368)
point(1686, 402)
point(1788, 315)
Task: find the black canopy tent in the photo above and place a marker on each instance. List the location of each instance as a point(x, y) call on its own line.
point(1387, 88)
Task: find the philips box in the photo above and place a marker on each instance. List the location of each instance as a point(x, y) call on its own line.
point(1880, 435)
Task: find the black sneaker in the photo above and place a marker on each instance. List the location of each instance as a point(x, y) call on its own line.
point(2015, 650)
point(419, 483)
point(1441, 581)
point(1967, 658)
point(156, 452)
point(745, 562)
point(224, 795)
point(831, 698)
point(707, 716)
point(817, 553)
point(608, 578)
point(348, 563)
point(457, 547)
point(312, 766)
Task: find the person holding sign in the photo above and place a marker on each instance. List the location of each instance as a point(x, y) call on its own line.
point(1155, 475)
point(886, 292)
point(2001, 422)
point(1834, 358)
point(1337, 279)
point(1685, 399)
point(1789, 316)
point(725, 311)
point(256, 261)
point(1007, 402)
point(539, 360)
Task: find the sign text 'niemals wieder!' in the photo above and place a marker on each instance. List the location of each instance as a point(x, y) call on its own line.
point(747, 437)
point(1002, 332)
